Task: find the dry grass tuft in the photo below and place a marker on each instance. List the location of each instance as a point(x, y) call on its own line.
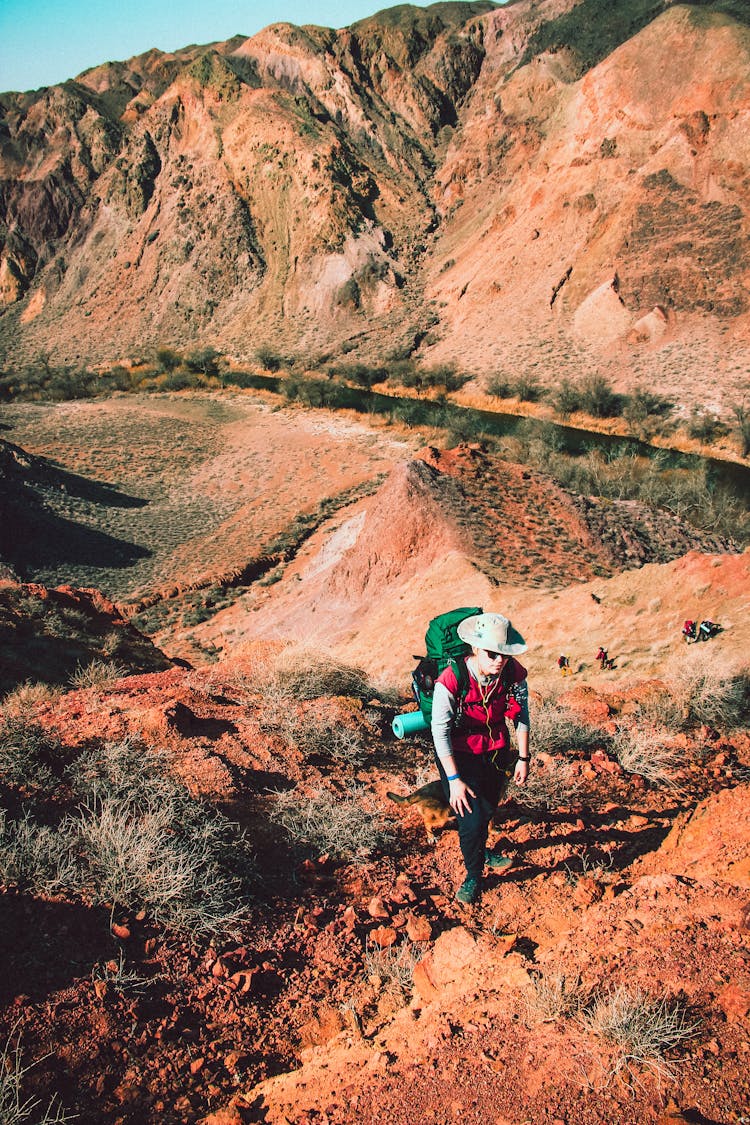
point(100, 674)
point(137, 840)
point(640, 1030)
point(550, 785)
point(392, 968)
point(346, 826)
point(706, 689)
point(15, 1107)
point(553, 996)
point(297, 673)
point(559, 731)
point(648, 751)
point(27, 696)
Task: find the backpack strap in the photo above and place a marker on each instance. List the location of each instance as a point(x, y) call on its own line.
point(461, 673)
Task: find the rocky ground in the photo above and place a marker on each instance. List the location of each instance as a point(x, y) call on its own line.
point(356, 988)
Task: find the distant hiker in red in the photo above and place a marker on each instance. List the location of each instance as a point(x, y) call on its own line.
point(601, 656)
point(564, 665)
point(472, 744)
point(688, 632)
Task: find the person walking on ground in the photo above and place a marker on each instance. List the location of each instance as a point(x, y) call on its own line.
point(472, 743)
point(688, 632)
point(564, 665)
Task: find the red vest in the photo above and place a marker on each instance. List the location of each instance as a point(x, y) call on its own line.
point(482, 727)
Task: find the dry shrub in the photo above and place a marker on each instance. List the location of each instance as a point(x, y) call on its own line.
point(298, 673)
point(557, 729)
point(15, 1107)
point(99, 674)
point(659, 709)
point(124, 771)
point(174, 858)
point(314, 734)
point(348, 826)
point(648, 752)
point(392, 968)
point(120, 978)
point(28, 695)
point(639, 1028)
point(29, 755)
point(552, 996)
point(36, 856)
point(139, 841)
point(708, 690)
point(550, 785)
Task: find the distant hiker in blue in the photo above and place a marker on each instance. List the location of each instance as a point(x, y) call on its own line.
point(472, 743)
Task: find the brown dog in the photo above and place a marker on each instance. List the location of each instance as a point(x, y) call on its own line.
point(432, 805)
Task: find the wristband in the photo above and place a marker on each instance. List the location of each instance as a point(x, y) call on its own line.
point(454, 777)
point(524, 759)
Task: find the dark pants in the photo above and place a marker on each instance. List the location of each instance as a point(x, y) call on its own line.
point(489, 782)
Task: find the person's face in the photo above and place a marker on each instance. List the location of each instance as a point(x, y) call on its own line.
point(490, 663)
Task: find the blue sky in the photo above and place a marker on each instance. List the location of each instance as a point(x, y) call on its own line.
point(46, 41)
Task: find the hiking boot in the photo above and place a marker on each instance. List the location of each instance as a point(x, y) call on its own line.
point(497, 862)
point(469, 891)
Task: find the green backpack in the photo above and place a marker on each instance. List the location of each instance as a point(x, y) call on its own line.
point(444, 647)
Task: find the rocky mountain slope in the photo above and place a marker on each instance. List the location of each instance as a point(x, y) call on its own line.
point(542, 185)
point(466, 528)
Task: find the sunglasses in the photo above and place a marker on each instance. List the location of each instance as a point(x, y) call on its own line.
point(495, 655)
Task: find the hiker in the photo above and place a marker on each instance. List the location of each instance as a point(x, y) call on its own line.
point(473, 750)
point(707, 629)
point(602, 656)
point(688, 632)
point(564, 665)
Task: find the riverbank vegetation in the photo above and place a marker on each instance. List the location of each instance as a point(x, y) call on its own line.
point(588, 463)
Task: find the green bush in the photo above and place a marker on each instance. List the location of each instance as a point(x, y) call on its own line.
point(269, 358)
point(362, 374)
point(742, 418)
point(642, 409)
point(406, 373)
point(567, 398)
point(705, 426)
point(499, 386)
point(598, 398)
point(203, 361)
point(168, 359)
point(182, 381)
point(528, 388)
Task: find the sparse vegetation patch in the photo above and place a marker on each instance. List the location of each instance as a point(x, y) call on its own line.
point(345, 825)
point(133, 837)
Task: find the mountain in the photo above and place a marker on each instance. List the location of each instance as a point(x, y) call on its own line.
point(545, 185)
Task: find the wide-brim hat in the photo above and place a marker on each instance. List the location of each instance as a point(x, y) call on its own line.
point(493, 632)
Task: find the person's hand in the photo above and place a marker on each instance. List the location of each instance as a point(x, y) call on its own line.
point(521, 771)
point(458, 798)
